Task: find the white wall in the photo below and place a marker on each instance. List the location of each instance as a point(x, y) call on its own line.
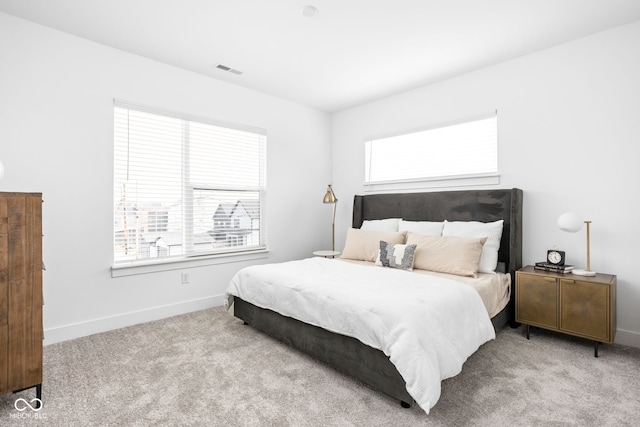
point(56, 137)
point(567, 114)
point(569, 136)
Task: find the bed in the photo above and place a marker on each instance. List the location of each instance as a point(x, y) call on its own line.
point(352, 356)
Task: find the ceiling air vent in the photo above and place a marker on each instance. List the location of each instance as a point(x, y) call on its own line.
point(229, 69)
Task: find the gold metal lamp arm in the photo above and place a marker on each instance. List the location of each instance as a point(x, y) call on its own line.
point(330, 197)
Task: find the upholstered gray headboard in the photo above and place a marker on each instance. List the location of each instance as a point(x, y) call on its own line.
point(467, 205)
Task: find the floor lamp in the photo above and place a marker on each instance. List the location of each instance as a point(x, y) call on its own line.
point(573, 223)
point(330, 197)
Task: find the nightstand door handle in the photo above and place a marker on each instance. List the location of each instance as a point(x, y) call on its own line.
point(569, 281)
point(549, 279)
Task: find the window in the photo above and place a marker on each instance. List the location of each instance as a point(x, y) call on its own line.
point(185, 186)
point(462, 149)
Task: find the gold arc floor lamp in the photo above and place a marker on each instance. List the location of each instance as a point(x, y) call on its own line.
point(330, 197)
point(572, 223)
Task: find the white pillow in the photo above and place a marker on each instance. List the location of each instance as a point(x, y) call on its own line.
point(491, 230)
point(425, 228)
point(389, 224)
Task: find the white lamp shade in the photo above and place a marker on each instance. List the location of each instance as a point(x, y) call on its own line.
point(1, 170)
point(570, 222)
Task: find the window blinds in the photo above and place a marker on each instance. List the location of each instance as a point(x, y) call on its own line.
point(462, 149)
point(185, 186)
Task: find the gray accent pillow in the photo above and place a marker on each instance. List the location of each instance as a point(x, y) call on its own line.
point(396, 255)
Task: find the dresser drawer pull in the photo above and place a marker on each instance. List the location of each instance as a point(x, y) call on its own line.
point(549, 279)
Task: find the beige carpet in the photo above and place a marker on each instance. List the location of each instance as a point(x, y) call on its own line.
point(208, 369)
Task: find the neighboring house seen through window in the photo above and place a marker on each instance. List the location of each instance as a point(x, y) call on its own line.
point(185, 186)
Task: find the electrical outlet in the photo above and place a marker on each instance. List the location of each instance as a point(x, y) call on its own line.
point(185, 278)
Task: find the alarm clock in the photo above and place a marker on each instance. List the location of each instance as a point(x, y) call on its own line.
point(555, 257)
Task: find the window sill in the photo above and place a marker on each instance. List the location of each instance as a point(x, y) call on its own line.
point(458, 181)
point(132, 269)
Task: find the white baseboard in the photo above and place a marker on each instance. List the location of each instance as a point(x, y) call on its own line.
point(628, 338)
point(82, 329)
point(94, 326)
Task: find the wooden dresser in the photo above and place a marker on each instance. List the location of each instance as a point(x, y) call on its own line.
point(21, 292)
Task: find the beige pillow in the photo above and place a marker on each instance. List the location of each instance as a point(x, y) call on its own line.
point(491, 230)
point(364, 244)
point(447, 254)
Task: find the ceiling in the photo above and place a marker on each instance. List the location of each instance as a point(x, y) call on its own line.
point(351, 52)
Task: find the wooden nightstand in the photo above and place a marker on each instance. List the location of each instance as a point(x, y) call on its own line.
point(576, 305)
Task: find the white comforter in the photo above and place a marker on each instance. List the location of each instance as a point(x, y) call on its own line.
point(428, 326)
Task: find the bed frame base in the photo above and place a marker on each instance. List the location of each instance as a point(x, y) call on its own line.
point(345, 354)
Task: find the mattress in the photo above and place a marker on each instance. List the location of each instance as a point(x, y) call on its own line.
point(493, 288)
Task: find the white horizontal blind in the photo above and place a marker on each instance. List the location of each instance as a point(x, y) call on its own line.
point(463, 149)
point(185, 186)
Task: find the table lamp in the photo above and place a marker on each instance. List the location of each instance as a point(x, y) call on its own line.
point(572, 223)
point(330, 197)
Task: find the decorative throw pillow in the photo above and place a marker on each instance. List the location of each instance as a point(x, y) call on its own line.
point(447, 254)
point(491, 230)
point(396, 255)
point(364, 245)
